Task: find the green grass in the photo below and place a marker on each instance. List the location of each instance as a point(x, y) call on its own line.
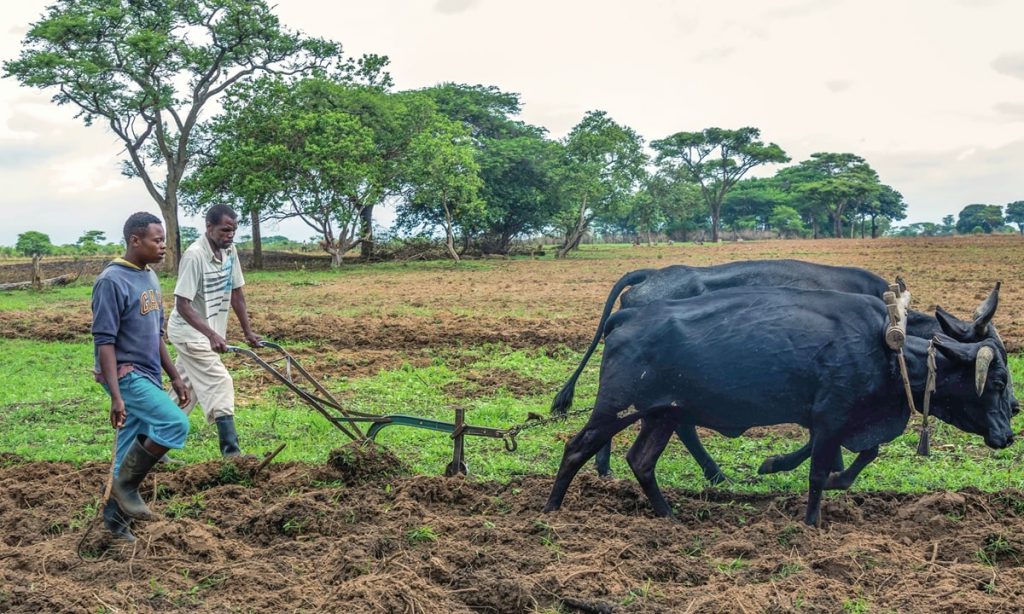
point(50, 409)
point(73, 294)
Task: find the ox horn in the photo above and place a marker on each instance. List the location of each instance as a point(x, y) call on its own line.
point(985, 356)
point(986, 310)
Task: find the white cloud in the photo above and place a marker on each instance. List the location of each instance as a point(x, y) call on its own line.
point(936, 183)
point(1012, 110)
point(718, 53)
point(838, 85)
point(451, 7)
point(1010, 64)
point(918, 86)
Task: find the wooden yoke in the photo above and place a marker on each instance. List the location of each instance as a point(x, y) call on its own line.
point(896, 302)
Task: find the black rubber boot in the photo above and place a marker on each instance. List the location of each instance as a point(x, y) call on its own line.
point(116, 522)
point(170, 462)
point(229, 438)
point(134, 467)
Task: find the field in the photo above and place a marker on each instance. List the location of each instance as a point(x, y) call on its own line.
point(329, 527)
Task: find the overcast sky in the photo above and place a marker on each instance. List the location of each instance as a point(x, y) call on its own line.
point(930, 92)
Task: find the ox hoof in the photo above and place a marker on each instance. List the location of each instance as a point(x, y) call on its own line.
point(716, 479)
point(835, 481)
point(768, 466)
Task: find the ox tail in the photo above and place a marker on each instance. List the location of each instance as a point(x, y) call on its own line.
point(563, 400)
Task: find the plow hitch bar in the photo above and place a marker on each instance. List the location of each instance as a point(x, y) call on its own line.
point(287, 370)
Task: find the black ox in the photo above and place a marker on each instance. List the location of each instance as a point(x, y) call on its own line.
point(681, 281)
point(746, 357)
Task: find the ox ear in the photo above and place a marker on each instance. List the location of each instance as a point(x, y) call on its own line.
point(952, 325)
point(954, 350)
point(984, 313)
point(980, 354)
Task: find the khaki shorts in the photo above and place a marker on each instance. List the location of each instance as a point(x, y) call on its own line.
point(207, 380)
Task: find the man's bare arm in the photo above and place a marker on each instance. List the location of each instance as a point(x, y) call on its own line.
point(172, 372)
point(108, 367)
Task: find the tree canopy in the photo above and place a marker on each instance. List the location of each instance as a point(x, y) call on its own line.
point(715, 159)
point(1015, 214)
point(33, 242)
point(147, 69)
point(979, 218)
point(602, 164)
point(317, 149)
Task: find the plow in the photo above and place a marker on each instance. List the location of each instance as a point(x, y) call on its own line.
point(363, 427)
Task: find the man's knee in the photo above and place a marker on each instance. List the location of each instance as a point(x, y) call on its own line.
point(219, 412)
point(175, 431)
point(173, 428)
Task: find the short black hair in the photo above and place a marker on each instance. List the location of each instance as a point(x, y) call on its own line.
point(138, 224)
point(217, 212)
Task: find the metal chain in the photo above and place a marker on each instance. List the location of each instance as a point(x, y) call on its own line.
point(534, 423)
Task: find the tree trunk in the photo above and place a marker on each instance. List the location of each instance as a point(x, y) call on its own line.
point(60, 280)
point(37, 273)
point(837, 220)
point(572, 238)
point(257, 242)
point(169, 210)
point(336, 255)
point(366, 232)
point(874, 228)
point(715, 215)
point(449, 234)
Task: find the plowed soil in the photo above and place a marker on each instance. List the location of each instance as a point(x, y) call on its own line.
point(545, 303)
point(354, 535)
point(358, 533)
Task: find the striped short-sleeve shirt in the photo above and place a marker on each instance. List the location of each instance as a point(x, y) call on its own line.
point(206, 278)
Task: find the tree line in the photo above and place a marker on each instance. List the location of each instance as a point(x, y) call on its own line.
point(306, 132)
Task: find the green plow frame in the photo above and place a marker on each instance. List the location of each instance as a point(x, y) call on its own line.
point(348, 421)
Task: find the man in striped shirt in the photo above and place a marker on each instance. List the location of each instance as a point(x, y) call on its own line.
point(209, 282)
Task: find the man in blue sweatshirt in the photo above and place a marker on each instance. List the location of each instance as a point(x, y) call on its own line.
point(127, 325)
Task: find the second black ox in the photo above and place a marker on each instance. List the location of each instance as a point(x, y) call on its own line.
point(746, 357)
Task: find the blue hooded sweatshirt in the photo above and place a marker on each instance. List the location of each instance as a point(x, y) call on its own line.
point(127, 312)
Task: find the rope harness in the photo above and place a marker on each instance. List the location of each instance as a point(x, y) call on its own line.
point(897, 300)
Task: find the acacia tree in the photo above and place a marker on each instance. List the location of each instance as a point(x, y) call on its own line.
point(147, 70)
point(829, 183)
point(715, 159)
point(442, 180)
point(886, 204)
point(1015, 214)
point(602, 165)
point(89, 242)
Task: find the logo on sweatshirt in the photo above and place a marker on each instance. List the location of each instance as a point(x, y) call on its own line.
point(149, 301)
